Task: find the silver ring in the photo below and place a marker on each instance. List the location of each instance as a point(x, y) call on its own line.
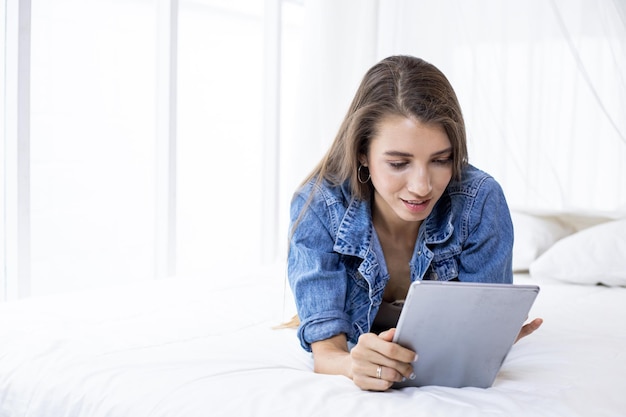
point(379, 371)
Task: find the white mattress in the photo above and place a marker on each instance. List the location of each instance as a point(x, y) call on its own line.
point(186, 348)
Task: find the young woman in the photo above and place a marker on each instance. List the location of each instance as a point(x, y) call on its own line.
point(393, 201)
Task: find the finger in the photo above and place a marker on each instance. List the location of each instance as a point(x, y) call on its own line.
point(370, 352)
point(388, 373)
point(372, 383)
point(529, 328)
point(389, 370)
point(388, 335)
point(382, 379)
point(383, 344)
point(392, 374)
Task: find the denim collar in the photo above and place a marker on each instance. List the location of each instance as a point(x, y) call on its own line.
point(355, 232)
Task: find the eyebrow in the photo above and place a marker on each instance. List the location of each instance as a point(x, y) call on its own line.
point(408, 155)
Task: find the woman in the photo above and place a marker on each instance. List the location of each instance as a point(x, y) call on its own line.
point(393, 201)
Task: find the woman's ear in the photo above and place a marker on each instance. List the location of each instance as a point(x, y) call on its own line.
point(363, 159)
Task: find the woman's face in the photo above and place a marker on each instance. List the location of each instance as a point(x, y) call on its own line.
point(410, 164)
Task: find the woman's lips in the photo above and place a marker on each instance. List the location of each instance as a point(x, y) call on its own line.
point(416, 206)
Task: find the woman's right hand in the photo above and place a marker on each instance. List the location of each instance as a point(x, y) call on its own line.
point(377, 362)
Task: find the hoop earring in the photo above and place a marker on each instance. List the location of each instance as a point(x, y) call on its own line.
point(358, 175)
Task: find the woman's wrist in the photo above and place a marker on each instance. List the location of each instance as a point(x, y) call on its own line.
point(331, 356)
point(333, 363)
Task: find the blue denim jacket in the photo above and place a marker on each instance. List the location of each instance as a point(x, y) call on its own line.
point(337, 270)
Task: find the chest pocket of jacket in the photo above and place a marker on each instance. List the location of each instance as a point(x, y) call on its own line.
point(443, 267)
point(357, 294)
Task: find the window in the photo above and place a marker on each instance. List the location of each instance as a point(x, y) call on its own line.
point(94, 165)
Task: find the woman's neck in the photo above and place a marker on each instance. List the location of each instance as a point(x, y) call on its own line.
point(393, 228)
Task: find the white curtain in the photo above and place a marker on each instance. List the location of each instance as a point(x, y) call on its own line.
point(542, 85)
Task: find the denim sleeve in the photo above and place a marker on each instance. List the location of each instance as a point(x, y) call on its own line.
point(488, 249)
point(316, 274)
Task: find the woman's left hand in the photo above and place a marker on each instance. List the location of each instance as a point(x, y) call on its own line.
point(529, 328)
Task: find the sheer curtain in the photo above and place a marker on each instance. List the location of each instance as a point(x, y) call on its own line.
point(542, 85)
point(338, 43)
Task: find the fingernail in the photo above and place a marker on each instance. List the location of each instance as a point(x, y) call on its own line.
point(416, 357)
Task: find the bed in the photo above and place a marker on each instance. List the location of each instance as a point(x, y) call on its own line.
point(197, 347)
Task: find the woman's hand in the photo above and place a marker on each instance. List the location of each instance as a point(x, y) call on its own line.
point(377, 362)
point(362, 364)
point(528, 328)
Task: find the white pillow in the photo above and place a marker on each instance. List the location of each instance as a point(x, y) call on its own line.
point(591, 256)
point(533, 236)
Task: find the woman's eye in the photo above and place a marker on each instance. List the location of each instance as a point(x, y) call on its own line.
point(397, 165)
point(443, 161)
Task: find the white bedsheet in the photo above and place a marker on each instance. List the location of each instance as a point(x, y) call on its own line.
point(184, 347)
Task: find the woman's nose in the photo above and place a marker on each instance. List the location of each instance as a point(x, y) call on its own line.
point(419, 184)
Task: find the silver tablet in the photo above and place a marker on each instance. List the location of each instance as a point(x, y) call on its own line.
point(462, 332)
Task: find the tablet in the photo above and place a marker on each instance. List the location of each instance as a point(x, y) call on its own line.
point(462, 332)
